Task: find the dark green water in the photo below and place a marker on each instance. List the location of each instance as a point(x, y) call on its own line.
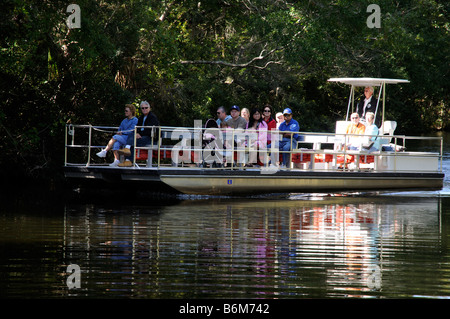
point(314, 247)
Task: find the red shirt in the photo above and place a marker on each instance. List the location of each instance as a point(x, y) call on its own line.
point(271, 125)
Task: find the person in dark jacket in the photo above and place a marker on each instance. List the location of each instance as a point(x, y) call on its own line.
point(368, 103)
point(144, 135)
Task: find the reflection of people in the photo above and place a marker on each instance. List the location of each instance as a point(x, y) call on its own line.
point(368, 104)
point(289, 125)
point(372, 129)
point(356, 127)
point(120, 139)
point(143, 134)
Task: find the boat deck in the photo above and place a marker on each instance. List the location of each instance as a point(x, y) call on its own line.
point(177, 161)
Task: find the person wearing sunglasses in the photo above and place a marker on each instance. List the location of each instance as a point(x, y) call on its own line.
point(126, 129)
point(267, 115)
point(288, 138)
point(222, 116)
point(144, 135)
point(355, 128)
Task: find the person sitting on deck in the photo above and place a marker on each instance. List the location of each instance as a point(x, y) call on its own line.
point(245, 113)
point(222, 116)
point(279, 118)
point(236, 120)
point(356, 127)
point(126, 129)
point(286, 143)
point(212, 143)
point(143, 134)
point(371, 131)
point(259, 126)
point(270, 121)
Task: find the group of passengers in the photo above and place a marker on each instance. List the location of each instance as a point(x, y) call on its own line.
point(122, 141)
point(261, 122)
point(258, 120)
point(365, 112)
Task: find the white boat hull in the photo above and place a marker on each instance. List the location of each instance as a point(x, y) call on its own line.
point(245, 184)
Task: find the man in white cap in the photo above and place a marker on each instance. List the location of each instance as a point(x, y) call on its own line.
point(289, 125)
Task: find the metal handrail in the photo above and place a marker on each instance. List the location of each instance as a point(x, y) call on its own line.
point(163, 130)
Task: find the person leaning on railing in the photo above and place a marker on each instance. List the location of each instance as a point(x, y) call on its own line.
point(143, 134)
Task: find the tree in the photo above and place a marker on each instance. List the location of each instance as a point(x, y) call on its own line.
point(189, 57)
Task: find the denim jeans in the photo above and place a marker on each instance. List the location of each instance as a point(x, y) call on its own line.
point(121, 140)
point(285, 146)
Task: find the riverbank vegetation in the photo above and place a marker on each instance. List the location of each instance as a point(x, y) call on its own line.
point(189, 57)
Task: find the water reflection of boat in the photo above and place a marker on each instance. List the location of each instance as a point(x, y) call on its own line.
point(318, 162)
point(279, 248)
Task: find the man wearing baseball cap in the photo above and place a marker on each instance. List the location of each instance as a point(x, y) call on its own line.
point(236, 120)
point(286, 143)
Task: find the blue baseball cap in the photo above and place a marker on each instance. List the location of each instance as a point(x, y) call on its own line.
point(235, 107)
point(287, 111)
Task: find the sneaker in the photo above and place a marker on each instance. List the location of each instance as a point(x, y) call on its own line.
point(115, 163)
point(126, 163)
point(102, 153)
point(125, 151)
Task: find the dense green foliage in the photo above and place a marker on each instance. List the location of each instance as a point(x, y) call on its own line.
point(189, 57)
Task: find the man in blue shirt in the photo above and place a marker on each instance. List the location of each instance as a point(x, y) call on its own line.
point(222, 115)
point(288, 139)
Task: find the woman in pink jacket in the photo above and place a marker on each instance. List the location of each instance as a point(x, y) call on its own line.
point(257, 124)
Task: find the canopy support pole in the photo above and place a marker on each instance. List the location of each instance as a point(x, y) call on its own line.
point(350, 100)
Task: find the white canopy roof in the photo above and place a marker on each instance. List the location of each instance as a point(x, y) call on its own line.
point(367, 81)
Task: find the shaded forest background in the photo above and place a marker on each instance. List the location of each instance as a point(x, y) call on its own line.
point(189, 57)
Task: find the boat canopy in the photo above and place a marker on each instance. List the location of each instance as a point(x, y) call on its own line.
point(364, 82)
point(367, 81)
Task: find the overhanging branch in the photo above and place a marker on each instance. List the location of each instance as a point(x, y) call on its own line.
point(250, 63)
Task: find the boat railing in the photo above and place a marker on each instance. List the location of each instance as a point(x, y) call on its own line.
point(214, 148)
